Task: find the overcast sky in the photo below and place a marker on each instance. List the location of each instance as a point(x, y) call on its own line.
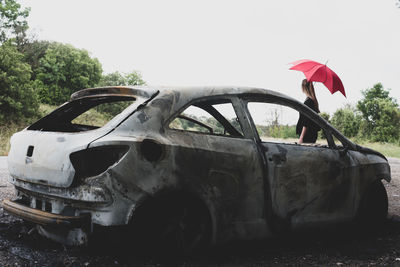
point(242, 43)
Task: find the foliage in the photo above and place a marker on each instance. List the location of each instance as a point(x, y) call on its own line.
point(13, 24)
point(282, 131)
point(110, 110)
point(325, 116)
point(187, 125)
point(64, 70)
point(381, 114)
point(387, 122)
point(92, 117)
point(17, 96)
point(347, 121)
point(33, 51)
point(117, 79)
point(6, 131)
point(112, 79)
point(368, 107)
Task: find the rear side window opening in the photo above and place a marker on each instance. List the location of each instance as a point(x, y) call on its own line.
point(207, 117)
point(83, 114)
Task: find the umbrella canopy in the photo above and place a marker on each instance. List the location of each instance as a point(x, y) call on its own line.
point(317, 72)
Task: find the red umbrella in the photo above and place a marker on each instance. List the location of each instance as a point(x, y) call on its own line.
point(317, 72)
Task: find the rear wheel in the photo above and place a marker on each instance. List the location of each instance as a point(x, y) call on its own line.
point(172, 226)
point(373, 208)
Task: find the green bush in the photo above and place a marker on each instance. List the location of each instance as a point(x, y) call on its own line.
point(387, 123)
point(18, 99)
point(381, 115)
point(283, 131)
point(116, 79)
point(347, 121)
point(64, 70)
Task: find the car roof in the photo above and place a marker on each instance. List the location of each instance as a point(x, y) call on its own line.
point(184, 94)
point(194, 92)
point(188, 92)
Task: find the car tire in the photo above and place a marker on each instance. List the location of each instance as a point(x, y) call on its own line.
point(173, 226)
point(373, 208)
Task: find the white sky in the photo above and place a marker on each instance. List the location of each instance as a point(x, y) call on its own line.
point(243, 43)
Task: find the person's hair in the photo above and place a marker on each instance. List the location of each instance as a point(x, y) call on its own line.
point(308, 89)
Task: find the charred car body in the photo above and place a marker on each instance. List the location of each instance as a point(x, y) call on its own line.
point(197, 180)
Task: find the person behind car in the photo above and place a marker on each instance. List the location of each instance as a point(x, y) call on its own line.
point(306, 128)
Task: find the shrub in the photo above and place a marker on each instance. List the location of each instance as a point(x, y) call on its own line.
point(64, 70)
point(347, 121)
point(18, 99)
point(381, 114)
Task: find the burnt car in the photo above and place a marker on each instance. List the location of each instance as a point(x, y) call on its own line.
point(189, 167)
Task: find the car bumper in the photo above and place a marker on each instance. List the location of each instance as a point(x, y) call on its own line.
point(42, 217)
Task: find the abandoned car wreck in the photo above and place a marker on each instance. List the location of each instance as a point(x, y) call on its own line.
point(189, 167)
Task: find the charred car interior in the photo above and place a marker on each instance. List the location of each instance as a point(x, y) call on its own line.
point(189, 168)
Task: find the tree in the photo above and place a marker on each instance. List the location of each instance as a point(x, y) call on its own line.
point(13, 24)
point(325, 116)
point(33, 51)
point(64, 70)
point(387, 123)
point(381, 114)
point(112, 79)
point(17, 96)
point(116, 79)
point(347, 120)
point(368, 106)
point(134, 78)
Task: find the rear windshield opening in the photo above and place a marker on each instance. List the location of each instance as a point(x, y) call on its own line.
point(83, 114)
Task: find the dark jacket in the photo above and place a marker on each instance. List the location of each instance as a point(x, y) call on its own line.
point(312, 128)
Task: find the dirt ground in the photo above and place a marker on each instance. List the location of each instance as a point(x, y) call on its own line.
point(20, 244)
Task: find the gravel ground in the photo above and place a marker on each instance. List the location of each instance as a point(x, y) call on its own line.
point(20, 245)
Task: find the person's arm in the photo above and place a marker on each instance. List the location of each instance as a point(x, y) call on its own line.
point(303, 133)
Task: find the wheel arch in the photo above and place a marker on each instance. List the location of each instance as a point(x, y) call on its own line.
point(372, 209)
point(165, 197)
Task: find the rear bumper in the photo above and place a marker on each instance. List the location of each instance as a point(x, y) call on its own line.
point(44, 218)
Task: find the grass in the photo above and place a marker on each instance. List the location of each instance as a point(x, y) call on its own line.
point(6, 131)
point(387, 149)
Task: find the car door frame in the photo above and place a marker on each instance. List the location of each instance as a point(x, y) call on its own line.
point(274, 219)
point(248, 217)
